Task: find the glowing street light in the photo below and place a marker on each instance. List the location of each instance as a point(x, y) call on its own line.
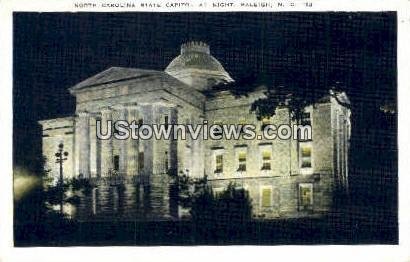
point(61, 156)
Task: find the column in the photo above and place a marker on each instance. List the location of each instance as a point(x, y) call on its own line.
point(123, 144)
point(106, 145)
point(189, 150)
point(94, 147)
point(199, 157)
point(84, 143)
point(148, 145)
point(173, 145)
point(140, 143)
point(77, 142)
point(195, 162)
point(156, 156)
point(132, 145)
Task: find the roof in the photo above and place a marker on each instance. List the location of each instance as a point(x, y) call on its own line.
point(117, 74)
point(133, 76)
point(56, 121)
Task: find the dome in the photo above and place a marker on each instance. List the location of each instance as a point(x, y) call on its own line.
point(196, 61)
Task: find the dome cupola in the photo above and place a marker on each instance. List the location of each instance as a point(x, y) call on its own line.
point(196, 67)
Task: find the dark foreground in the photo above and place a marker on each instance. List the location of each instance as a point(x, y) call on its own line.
point(328, 230)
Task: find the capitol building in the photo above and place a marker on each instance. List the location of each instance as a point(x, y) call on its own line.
point(284, 178)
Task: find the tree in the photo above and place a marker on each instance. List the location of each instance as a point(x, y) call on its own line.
point(285, 87)
point(197, 195)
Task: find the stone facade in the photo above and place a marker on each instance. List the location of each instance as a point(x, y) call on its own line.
point(284, 178)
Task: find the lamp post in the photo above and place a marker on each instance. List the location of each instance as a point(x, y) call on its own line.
point(61, 156)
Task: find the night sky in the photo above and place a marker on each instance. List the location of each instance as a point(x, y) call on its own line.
point(54, 51)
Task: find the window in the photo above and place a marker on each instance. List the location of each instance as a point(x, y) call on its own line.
point(305, 119)
point(116, 162)
point(242, 161)
point(266, 198)
point(305, 195)
point(141, 160)
point(219, 163)
point(266, 160)
point(166, 121)
point(265, 122)
point(306, 156)
point(166, 161)
point(218, 132)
